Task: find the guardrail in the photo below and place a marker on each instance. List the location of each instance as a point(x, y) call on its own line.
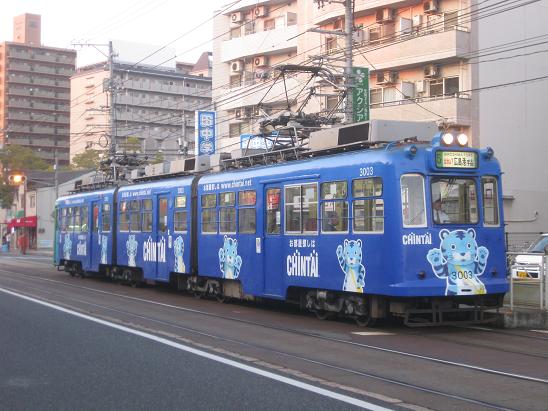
point(528, 283)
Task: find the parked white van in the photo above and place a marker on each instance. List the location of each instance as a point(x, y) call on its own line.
point(528, 265)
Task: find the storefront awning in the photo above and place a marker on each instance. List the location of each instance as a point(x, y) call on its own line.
point(22, 222)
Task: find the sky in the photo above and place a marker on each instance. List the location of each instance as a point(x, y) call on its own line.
point(155, 22)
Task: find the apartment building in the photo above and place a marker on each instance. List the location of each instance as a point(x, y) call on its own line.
point(35, 92)
point(154, 104)
point(431, 60)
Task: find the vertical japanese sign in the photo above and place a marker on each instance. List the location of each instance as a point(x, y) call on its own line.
point(360, 94)
point(205, 132)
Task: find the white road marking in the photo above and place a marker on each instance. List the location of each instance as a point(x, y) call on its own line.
point(541, 331)
point(372, 333)
point(290, 381)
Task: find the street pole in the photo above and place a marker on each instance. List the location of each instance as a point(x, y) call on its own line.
point(55, 174)
point(348, 28)
point(112, 110)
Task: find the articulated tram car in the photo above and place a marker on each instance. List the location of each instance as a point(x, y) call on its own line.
point(408, 229)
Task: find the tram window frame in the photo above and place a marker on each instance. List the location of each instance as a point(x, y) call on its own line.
point(301, 204)
point(423, 222)
point(247, 212)
point(76, 217)
point(147, 219)
point(457, 216)
point(494, 198)
point(180, 215)
point(273, 215)
point(334, 200)
point(134, 216)
point(105, 222)
point(208, 216)
point(95, 218)
point(227, 212)
point(370, 201)
point(124, 217)
point(84, 219)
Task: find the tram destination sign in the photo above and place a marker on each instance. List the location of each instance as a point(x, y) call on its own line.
point(456, 159)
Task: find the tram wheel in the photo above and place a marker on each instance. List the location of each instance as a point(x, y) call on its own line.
point(364, 320)
point(220, 297)
point(323, 315)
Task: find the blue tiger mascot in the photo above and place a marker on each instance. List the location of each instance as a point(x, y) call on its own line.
point(350, 260)
point(229, 260)
point(460, 261)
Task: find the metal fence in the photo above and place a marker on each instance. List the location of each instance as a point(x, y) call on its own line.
point(520, 241)
point(528, 284)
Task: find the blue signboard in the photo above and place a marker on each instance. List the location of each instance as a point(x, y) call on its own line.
point(205, 132)
point(257, 141)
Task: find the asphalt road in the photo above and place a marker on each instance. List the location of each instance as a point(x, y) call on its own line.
point(53, 360)
point(459, 368)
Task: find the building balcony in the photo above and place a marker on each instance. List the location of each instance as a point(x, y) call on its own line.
point(332, 11)
point(411, 50)
point(264, 42)
point(50, 57)
point(455, 109)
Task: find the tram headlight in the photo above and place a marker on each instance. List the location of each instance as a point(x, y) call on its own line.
point(447, 139)
point(462, 139)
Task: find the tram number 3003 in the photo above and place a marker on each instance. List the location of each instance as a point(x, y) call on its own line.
point(366, 171)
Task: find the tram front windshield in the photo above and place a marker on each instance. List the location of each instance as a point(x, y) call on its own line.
point(454, 200)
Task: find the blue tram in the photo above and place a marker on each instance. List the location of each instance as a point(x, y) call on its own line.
point(409, 229)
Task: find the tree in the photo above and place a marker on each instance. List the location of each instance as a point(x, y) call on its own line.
point(87, 159)
point(132, 145)
point(158, 158)
point(14, 157)
point(7, 193)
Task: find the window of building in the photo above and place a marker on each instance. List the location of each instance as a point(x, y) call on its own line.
point(451, 85)
point(489, 188)
point(375, 95)
point(234, 129)
point(209, 214)
point(436, 87)
point(235, 32)
point(269, 24)
point(331, 102)
point(32, 201)
point(334, 207)
point(367, 206)
point(412, 200)
point(301, 209)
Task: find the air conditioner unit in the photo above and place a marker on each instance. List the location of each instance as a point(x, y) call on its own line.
point(417, 20)
point(387, 77)
point(419, 86)
point(360, 36)
point(236, 67)
point(430, 6)
point(385, 15)
point(431, 71)
point(260, 11)
point(260, 61)
point(237, 17)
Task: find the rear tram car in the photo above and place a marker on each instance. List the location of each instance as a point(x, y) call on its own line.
point(411, 229)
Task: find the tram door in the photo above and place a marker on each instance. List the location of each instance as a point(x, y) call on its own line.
point(94, 246)
point(161, 245)
point(273, 268)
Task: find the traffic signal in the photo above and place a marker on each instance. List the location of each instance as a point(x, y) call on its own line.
point(17, 179)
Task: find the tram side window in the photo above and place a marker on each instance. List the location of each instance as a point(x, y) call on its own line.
point(124, 216)
point(301, 209)
point(412, 200)
point(209, 213)
point(146, 215)
point(180, 215)
point(64, 219)
point(162, 215)
point(84, 219)
point(95, 217)
point(76, 219)
point(334, 206)
point(135, 215)
point(105, 218)
point(273, 214)
point(247, 216)
point(457, 199)
point(367, 206)
point(489, 190)
point(227, 213)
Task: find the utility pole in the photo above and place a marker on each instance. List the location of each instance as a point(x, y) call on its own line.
point(112, 116)
point(348, 39)
point(55, 174)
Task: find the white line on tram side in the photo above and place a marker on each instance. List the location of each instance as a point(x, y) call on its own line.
point(289, 381)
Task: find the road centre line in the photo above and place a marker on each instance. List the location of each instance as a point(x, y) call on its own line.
point(289, 381)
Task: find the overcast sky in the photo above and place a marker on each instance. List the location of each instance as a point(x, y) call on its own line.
point(154, 22)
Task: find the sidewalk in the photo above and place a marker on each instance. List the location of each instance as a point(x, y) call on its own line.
point(42, 252)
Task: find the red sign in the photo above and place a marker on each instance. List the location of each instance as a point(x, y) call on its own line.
point(22, 222)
